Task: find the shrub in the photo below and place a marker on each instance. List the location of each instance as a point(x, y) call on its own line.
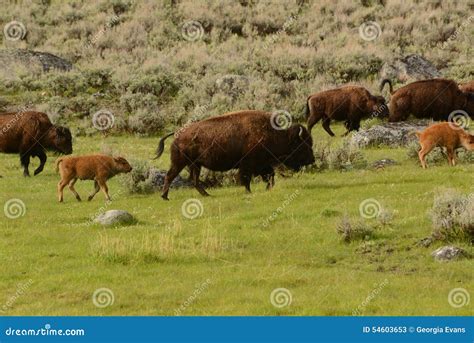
point(346, 157)
point(140, 179)
point(146, 122)
point(452, 216)
point(352, 230)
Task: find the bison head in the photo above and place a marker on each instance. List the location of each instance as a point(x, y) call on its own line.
point(122, 165)
point(300, 148)
point(59, 139)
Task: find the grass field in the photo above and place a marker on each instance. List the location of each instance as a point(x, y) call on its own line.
point(226, 261)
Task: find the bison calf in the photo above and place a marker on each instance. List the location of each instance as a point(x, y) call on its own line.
point(447, 135)
point(99, 168)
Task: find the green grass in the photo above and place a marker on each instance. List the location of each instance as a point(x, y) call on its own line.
point(155, 266)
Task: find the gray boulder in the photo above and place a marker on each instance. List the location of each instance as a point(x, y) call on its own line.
point(158, 179)
point(409, 68)
point(448, 253)
point(34, 61)
point(390, 134)
point(115, 217)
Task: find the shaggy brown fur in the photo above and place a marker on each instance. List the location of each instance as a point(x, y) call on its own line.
point(448, 135)
point(244, 140)
point(30, 134)
point(467, 87)
point(435, 98)
point(348, 103)
point(99, 168)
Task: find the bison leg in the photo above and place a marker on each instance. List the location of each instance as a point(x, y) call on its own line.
point(422, 154)
point(245, 178)
point(104, 188)
point(25, 162)
point(42, 157)
point(195, 172)
point(96, 190)
point(268, 176)
point(61, 185)
point(73, 190)
point(451, 156)
point(170, 175)
point(313, 120)
point(326, 122)
point(351, 126)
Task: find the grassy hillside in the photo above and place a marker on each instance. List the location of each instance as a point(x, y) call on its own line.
point(159, 63)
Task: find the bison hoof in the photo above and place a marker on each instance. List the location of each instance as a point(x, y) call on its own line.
point(165, 197)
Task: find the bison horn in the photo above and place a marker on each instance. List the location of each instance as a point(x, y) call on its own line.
point(300, 133)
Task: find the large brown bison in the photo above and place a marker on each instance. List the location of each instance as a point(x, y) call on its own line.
point(31, 134)
point(348, 103)
point(435, 98)
point(467, 87)
point(244, 140)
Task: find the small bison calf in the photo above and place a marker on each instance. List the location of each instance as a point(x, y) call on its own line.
point(99, 168)
point(447, 135)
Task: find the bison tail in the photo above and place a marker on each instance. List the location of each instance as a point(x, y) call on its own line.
point(161, 145)
point(58, 162)
point(306, 111)
point(382, 85)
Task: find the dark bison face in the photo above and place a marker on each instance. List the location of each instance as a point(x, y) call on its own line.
point(378, 107)
point(60, 140)
point(300, 148)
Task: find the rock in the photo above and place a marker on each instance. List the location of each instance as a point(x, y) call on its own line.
point(391, 134)
point(158, 179)
point(380, 164)
point(115, 217)
point(448, 253)
point(409, 68)
point(33, 61)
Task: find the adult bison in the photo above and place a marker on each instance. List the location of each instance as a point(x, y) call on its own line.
point(30, 134)
point(348, 103)
point(245, 140)
point(435, 98)
point(467, 86)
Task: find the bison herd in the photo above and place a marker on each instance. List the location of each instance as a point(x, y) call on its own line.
point(249, 140)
